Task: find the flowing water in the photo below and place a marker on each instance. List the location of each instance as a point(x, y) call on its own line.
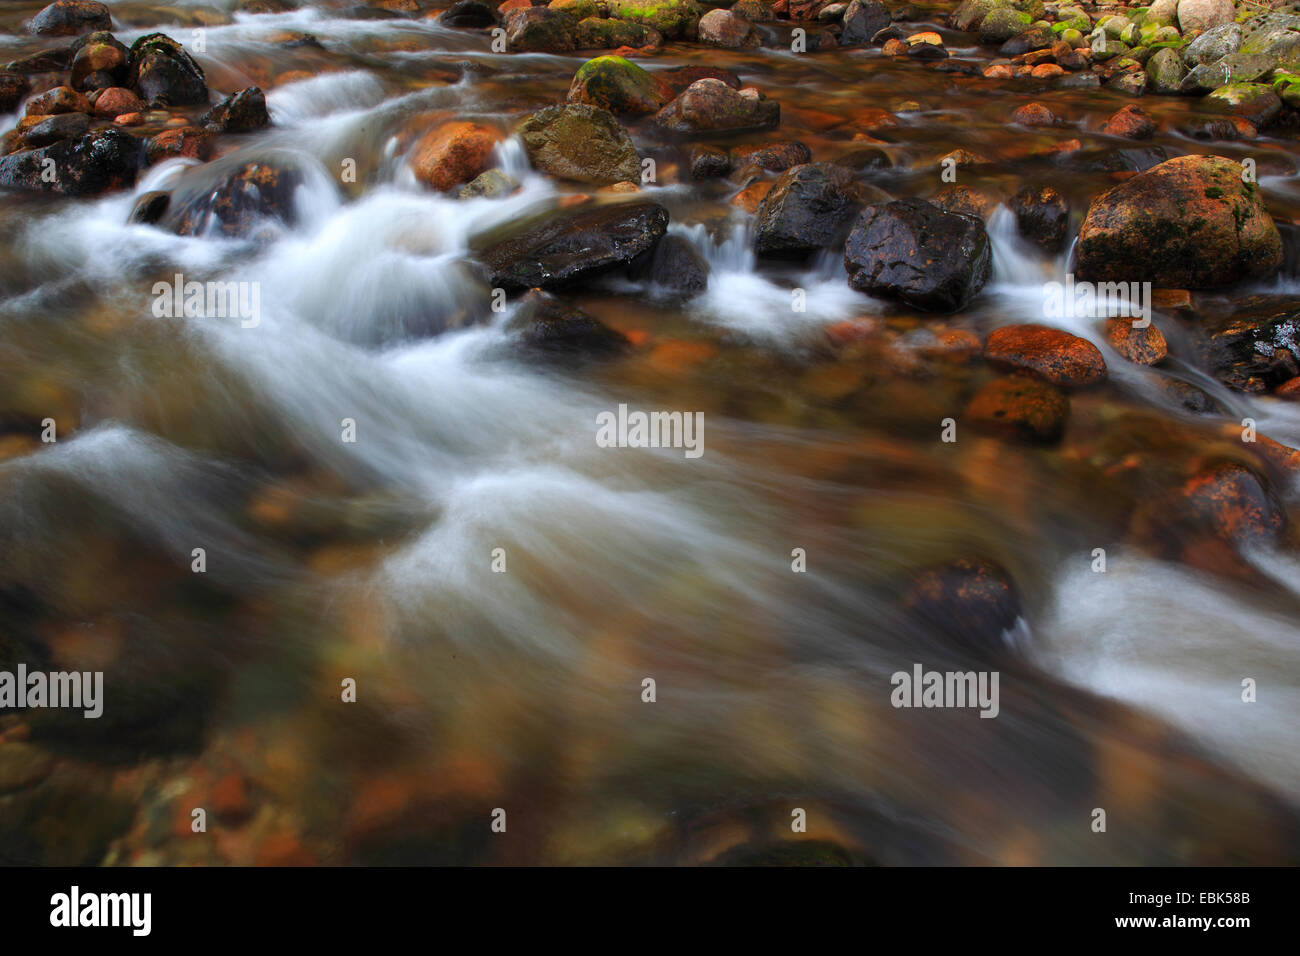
point(477, 690)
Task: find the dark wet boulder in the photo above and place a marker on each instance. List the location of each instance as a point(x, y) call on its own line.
point(1229, 502)
point(54, 128)
point(574, 245)
point(99, 61)
point(544, 325)
point(240, 112)
point(862, 20)
point(70, 18)
point(468, 13)
point(45, 61)
point(164, 74)
point(1133, 159)
point(709, 162)
point(1053, 355)
point(673, 264)
point(971, 601)
point(810, 207)
point(1189, 223)
point(150, 207)
point(618, 85)
point(96, 162)
point(709, 105)
point(1020, 408)
point(913, 251)
point(1257, 348)
point(581, 143)
point(1042, 216)
point(13, 87)
point(540, 30)
point(235, 206)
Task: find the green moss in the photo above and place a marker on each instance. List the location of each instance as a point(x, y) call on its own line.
point(1214, 192)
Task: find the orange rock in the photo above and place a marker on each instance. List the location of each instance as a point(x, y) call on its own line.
point(1132, 122)
point(1045, 71)
point(894, 47)
point(749, 197)
point(1021, 408)
point(998, 71)
point(676, 355)
point(1144, 346)
point(1290, 389)
point(228, 799)
point(1052, 354)
point(129, 119)
point(117, 100)
point(186, 141)
point(452, 154)
point(1033, 114)
point(1171, 298)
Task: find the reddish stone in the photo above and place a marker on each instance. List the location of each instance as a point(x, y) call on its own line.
point(1144, 346)
point(1034, 114)
point(1052, 354)
point(116, 100)
point(1019, 408)
point(61, 99)
point(1132, 122)
point(1046, 71)
point(452, 154)
point(187, 141)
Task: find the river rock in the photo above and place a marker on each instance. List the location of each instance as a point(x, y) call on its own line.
point(1001, 24)
point(1232, 503)
point(474, 14)
point(70, 18)
point(618, 85)
point(725, 29)
point(60, 99)
point(99, 61)
point(1276, 36)
point(808, 208)
point(1165, 70)
point(240, 112)
point(1034, 114)
point(1051, 354)
point(1257, 348)
point(1145, 346)
point(1255, 101)
point(574, 245)
point(1131, 122)
point(1213, 45)
point(580, 143)
point(913, 251)
point(545, 325)
point(710, 105)
point(1021, 408)
point(54, 128)
point(1188, 223)
point(862, 20)
point(709, 162)
point(1196, 15)
point(163, 74)
point(192, 142)
point(251, 193)
point(114, 101)
point(674, 264)
point(973, 601)
point(1042, 216)
point(489, 184)
point(595, 33)
point(774, 157)
point(453, 154)
point(675, 19)
point(540, 30)
point(97, 162)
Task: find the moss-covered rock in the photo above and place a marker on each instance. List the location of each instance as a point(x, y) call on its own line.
point(617, 85)
point(1188, 223)
point(1255, 101)
point(675, 19)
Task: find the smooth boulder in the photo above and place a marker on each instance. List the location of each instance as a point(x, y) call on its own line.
point(917, 253)
point(580, 143)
